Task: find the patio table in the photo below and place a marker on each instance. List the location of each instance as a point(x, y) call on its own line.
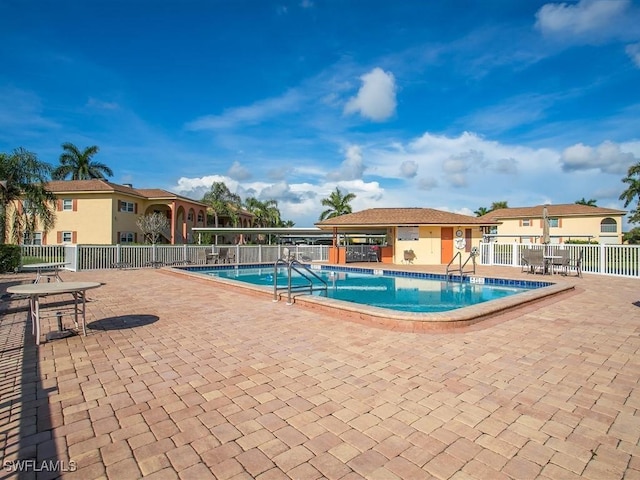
point(37, 290)
point(47, 270)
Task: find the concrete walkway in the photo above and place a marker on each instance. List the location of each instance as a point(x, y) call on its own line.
point(179, 379)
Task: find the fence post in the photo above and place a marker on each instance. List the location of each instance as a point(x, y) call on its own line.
point(515, 257)
point(184, 252)
point(259, 253)
point(118, 253)
point(603, 263)
point(491, 252)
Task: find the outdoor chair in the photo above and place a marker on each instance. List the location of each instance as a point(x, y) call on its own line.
point(575, 265)
point(287, 255)
point(525, 260)
point(409, 256)
point(536, 260)
point(223, 255)
point(373, 254)
point(562, 264)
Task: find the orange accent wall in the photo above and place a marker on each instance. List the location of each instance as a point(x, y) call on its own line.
point(446, 245)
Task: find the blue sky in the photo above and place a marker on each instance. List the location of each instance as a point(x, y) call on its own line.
point(449, 105)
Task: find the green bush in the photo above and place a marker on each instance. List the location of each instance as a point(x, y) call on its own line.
point(581, 242)
point(9, 258)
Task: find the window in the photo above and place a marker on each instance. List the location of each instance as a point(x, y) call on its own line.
point(200, 217)
point(608, 225)
point(67, 204)
point(526, 222)
point(554, 222)
point(127, 237)
point(33, 238)
point(190, 216)
point(127, 207)
point(67, 237)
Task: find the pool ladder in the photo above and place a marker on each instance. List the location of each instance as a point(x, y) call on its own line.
point(302, 270)
point(460, 269)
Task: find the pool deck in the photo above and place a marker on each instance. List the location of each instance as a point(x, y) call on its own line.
point(179, 379)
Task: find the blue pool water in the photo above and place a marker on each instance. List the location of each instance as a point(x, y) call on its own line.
point(396, 292)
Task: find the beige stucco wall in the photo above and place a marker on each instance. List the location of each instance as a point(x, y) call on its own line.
point(91, 221)
point(428, 247)
point(569, 227)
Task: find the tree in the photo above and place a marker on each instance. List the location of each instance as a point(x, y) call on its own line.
point(153, 226)
point(79, 164)
point(633, 190)
point(632, 237)
point(222, 202)
point(338, 204)
point(25, 203)
point(481, 211)
point(498, 206)
point(590, 203)
point(266, 214)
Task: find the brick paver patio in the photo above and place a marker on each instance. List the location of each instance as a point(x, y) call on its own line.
point(180, 379)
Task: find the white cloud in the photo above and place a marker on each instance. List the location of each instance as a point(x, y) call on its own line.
point(409, 169)
point(352, 166)
point(589, 21)
point(376, 99)
point(427, 183)
point(633, 51)
point(607, 157)
point(238, 172)
point(249, 115)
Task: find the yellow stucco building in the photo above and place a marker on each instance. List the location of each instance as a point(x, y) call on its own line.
point(567, 222)
point(431, 236)
point(99, 212)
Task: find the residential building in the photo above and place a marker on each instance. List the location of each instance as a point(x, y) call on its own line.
point(432, 236)
point(567, 222)
point(101, 212)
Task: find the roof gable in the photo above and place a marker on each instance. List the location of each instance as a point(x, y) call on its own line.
point(560, 210)
point(401, 216)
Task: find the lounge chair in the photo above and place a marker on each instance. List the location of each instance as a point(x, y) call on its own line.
point(287, 255)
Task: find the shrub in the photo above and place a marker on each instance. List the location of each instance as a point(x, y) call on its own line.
point(9, 258)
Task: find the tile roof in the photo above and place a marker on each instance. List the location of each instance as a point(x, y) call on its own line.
point(561, 210)
point(401, 216)
point(99, 185)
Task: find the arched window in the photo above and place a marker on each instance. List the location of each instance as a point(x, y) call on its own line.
point(608, 225)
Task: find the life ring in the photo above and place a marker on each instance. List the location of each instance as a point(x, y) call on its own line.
point(460, 243)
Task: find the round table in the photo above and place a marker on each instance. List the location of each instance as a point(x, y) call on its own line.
point(37, 290)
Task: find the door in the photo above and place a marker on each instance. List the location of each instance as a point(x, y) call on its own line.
point(468, 239)
point(446, 244)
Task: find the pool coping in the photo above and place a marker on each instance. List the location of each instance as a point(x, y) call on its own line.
point(389, 319)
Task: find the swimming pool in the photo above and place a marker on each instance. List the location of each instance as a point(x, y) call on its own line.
point(404, 294)
point(393, 319)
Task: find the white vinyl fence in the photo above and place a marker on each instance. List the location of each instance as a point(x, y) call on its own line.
point(618, 260)
point(97, 257)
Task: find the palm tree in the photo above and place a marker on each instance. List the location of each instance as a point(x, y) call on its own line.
point(266, 214)
point(589, 203)
point(222, 202)
point(78, 164)
point(24, 178)
point(498, 206)
point(481, 211)
point(633, 190)
point(338, 204)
